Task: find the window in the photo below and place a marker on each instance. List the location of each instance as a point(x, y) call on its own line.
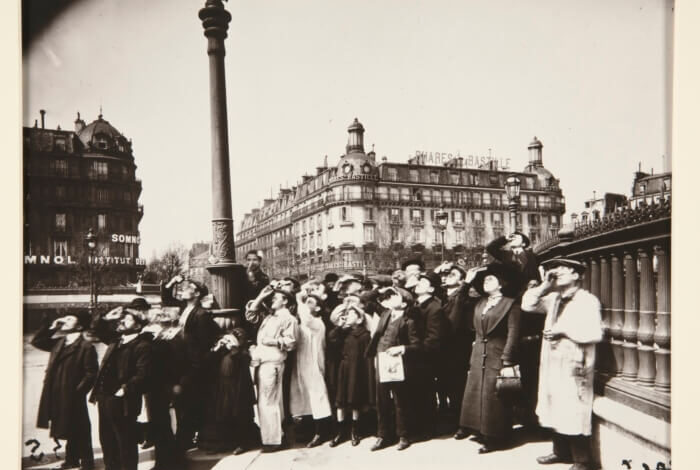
point(493, 179)
point(59, 167)
point(454, 178)
point(497, 219)
point(437, 198)
point(369, 213)
point(367, 192)
point(413, 175)
point(98, 170)
point(417, 216)
point(394, 233)
point(405, 194)
point(369, 233)
point(478, 218)
point(471, 179)
point(102, 195)
point(60, 248)
point(60, 144)
point(486, 198)
point(459, 237)
point(530, 183)
point(391, 174)
point(318, 222)
point(101, 221)
point(642, 188)
point(476, 199)
point(434, 177)
point(319, 241)
point(394, 194)
point(395, 215)
point(60, 192)
point(417, 195)
point(667, 184)
point(60, 222)
point(554, 220)
point(417, 235)
point(344, 214)
point(533, 220)
point(457, 217)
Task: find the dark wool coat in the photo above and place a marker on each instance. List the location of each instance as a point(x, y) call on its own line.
point(496, 342)
point(132, 371)
point(70, 374)
point(353, 382)
point(409, 336)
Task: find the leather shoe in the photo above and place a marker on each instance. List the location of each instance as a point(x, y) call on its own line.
point(378, 444)
point(403, 444)
point(485, 449)
point(336, 440)
point(461, 434)
point(316, 441)
point(238, 450)
point(551, 458)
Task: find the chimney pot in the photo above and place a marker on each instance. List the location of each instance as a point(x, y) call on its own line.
point(43, 113)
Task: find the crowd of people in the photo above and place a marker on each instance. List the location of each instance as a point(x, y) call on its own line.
point(331, 360)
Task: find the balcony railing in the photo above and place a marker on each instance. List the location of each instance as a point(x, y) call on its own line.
point(628, 269)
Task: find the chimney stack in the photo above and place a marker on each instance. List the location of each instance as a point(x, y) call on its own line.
point(79, 124)
point(43, 113)
point(535, 151)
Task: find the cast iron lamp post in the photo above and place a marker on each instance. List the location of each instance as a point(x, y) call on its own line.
point(91, 245)
point(441, 219)
point(513, 192)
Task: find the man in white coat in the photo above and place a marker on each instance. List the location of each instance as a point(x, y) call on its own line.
point(572, 328)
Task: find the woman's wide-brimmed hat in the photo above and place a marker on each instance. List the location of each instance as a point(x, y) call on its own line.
point(507, 277)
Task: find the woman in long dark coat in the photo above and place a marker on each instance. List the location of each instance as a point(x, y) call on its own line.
point(496, 323)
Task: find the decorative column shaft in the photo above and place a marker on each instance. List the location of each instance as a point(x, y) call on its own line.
point(587, 276)
point(631, 325)
point(606, 361)
point(228, 278)
point(662, 335)
point(595, 277)
point(647, 317)
point(618, 312)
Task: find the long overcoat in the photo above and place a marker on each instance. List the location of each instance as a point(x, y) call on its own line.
point(70, 374)
point(410, 336)
point(307, 391)
point(354, 379)
point(496, 341)
point(565, 395)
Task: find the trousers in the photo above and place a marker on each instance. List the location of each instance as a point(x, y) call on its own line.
point(118, 435)
point(576, 448)
point(270, 402)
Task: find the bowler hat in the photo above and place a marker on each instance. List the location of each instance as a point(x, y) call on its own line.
point(507, 277)
point(84, 319)
point(330, 277)
point(410, 261)
point(433, 278)
point(577, 266)
point(138, 303)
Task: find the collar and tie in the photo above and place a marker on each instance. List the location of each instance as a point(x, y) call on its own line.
point(492, 302)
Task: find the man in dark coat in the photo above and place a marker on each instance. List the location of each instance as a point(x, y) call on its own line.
point(199, 333)
point(120, 384)
point(70, 374)
point(397, 334)
point(514, 251)
point(459, 338)
point(432, 325)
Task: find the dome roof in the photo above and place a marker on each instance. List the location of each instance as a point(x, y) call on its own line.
point(354, 164)
point(101, 135)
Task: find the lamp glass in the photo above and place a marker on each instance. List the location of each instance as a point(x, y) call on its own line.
point(512, 187)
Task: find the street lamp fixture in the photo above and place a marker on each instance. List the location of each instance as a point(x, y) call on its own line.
point(512, 187)
point(91, 245)
point(441, 218)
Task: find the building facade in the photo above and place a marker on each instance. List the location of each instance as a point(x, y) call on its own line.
point(198, 258)
point(650, 188)
point(75, 181)
point(366, 215)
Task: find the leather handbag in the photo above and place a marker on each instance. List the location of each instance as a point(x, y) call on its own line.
point(508, 382)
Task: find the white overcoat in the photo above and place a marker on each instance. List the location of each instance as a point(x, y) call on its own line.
point(565, 393)
point(308, 394)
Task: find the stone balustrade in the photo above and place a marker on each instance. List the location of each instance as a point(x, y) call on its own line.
point(627, 255)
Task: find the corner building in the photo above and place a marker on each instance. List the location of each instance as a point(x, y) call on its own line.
point(74, 181)
point(367, 216)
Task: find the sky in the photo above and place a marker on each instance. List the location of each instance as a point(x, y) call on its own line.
point(589, 79)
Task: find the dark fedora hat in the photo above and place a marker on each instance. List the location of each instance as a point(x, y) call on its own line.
point(330, 277)
point(577, 266)
point(138, 303)
point(84, 319)
point(507, 277)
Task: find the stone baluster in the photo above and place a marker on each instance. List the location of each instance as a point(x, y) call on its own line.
point(617, 304)
point(647, 317)
point(587, 276)
point(595, 277)
point(662, 335)
point(631, 325)
point(606, 359)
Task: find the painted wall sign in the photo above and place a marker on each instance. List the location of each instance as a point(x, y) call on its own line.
point(68, 260)
point(122, 238)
